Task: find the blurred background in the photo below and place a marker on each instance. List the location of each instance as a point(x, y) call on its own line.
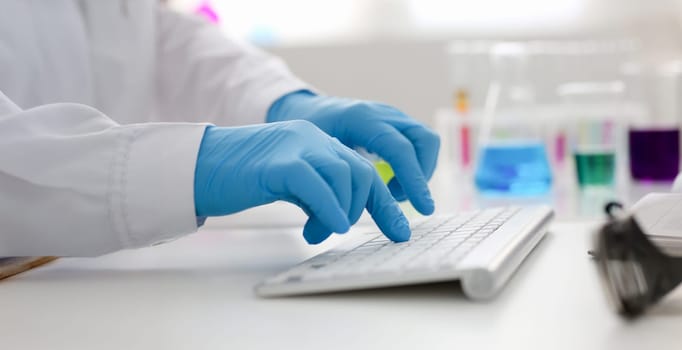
point(393, 50)
point(573, 102)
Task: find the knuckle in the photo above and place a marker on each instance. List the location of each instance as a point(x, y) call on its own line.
point(360, 109)
point(303, 125)
point(358, 105)
point(295, 167)
point(300, 129)
point(432, 136)
point(339, 167)
point(401, 145)
point(425, 133)
point(383, 137)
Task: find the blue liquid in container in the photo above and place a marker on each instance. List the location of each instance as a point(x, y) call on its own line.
point(516, 168)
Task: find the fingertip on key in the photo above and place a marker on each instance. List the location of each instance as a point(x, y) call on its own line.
point(430, 206)
point(314, 232)
point(426, 206)
point(344, 228)
point(311, 238)
point(401, 230)
point(312, 241)
point(342, 224)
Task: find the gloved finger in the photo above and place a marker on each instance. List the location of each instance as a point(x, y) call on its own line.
point(362, 176)
point(335, 171)
point(398, 151)
point(310, 189)
point(315, 232)
point(396, 190)
point(426, 145)
point(386, 212)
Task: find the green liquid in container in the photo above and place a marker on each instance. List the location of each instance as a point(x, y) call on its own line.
point(595, 168)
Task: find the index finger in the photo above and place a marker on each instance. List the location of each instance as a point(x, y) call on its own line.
point(399, 152)
point(426, 144)
point(386, 213)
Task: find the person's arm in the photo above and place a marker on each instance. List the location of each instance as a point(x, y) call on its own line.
point(75, 183)
point(205, 76)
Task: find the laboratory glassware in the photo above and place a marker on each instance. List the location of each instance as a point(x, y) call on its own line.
point(654, 153)
point(655, 145)
point(512, 155)
point(593, 110)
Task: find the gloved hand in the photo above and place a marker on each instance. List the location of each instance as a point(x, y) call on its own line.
point(407, 145)
point(243, 167)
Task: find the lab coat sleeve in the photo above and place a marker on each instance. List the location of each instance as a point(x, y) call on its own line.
point(75, 183)
point(205, 76)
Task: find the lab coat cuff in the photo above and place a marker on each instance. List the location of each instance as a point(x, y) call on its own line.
point(271, 93)
point(158, 189)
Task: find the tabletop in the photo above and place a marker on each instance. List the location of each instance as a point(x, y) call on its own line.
point(196, 293)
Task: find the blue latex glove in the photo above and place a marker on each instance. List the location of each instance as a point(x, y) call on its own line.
point(243, 167)
point(407, 145)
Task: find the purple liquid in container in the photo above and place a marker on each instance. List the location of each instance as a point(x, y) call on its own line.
point(654, 154)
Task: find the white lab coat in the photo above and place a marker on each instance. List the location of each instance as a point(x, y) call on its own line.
point(103, 104)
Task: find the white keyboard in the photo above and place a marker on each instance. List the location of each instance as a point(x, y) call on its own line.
point(482, 249)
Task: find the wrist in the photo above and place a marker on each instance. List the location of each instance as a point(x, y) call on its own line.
point(202, 172)
point(290, 106)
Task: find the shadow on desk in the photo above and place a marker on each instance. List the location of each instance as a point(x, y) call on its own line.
point(671, 306)
point(440, 290)
point(228, 280)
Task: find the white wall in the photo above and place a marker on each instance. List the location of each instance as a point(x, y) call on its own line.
point(411, 71)
point(409, 75)
point(388, 51)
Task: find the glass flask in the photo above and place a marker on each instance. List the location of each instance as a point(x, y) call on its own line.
point(512, 154)
point(654, 146)
point(595, 109)
point(654, 153)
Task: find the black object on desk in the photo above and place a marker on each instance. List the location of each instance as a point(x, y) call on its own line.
point(636, 273)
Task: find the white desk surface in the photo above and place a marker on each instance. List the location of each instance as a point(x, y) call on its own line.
point(196, 293)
